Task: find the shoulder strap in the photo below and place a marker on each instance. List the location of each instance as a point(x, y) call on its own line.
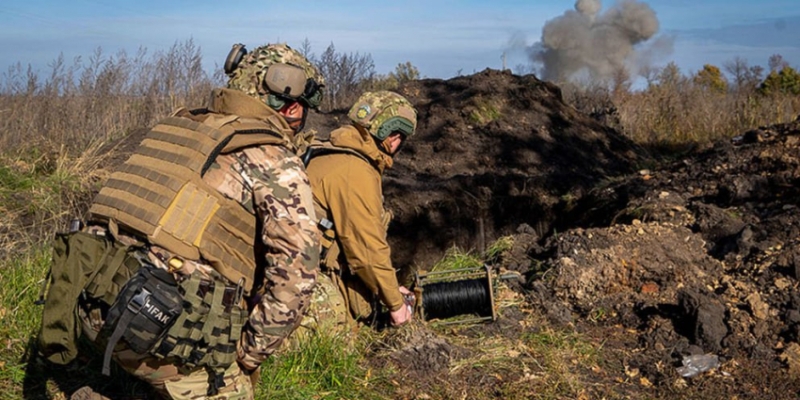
point(320, 148)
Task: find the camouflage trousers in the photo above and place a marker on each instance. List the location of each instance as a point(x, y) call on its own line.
point(169, 379)
point(176, 382)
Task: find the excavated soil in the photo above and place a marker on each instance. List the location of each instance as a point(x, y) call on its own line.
point(689, 258)
point(694, 257)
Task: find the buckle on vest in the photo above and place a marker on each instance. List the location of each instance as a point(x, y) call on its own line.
point(195, 356)
point(239, 292)
point(166, 346)
point(138, 301)
point(328, 237)
point(174, 264)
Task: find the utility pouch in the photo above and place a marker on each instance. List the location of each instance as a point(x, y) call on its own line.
point(79, 259)
point(143, 312)
point(207, 332)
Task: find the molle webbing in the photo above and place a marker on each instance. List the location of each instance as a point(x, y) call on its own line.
point(205, 334)
point(328, 237)
point(159, 192)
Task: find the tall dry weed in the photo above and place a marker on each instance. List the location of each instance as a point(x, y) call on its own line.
point(676, 111)
point(101, 98)
point(57, 130)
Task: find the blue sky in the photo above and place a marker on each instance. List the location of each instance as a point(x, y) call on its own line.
point(441, 38)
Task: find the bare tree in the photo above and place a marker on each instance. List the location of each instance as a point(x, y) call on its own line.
point(305, 48)
point(737, 68)
point(776, 63)
point(345, 75)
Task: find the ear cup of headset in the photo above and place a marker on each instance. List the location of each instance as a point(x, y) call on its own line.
point(234, 58)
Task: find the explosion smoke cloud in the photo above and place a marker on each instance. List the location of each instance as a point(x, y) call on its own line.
point(586, 41)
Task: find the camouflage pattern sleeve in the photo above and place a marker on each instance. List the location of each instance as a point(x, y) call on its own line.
point(282, 199)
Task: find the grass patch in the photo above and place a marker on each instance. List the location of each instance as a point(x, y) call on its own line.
point(561, 357)
point(20, 281)
point(495, 250)
point(456, 258)
point(41, 190)
point(484, 111)
point(321, 367)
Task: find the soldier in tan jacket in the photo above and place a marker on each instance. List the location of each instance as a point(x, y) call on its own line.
point(345, 174)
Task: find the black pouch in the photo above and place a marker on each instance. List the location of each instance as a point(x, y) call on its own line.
point(145, 309)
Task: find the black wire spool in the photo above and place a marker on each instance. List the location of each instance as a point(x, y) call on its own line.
point(448, 299)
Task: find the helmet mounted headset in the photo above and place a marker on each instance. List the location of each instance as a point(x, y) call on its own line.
point(284, 83)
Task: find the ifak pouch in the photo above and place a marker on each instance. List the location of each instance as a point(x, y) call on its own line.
point(145, 309)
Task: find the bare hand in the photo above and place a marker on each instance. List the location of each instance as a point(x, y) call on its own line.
point(404, 291)
point(401, 315)
point(404, 313)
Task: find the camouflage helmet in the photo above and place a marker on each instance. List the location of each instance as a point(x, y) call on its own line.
point(274, 73)
point(384, 112)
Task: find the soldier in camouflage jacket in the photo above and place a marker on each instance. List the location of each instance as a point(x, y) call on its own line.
point(243, 215)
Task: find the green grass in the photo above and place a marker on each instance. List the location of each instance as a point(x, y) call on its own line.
point(500, 246)
point(456, 258)
point(321, 367)
point(20, 281)
point(485, 111)
point(11, 181)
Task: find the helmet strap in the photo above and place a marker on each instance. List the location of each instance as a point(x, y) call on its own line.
point(303, 119)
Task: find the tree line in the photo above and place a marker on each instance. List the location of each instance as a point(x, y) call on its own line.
point(675, 108)
point(106, 96)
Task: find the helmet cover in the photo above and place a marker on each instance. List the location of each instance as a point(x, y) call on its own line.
point(384, 112)
point(250, 73)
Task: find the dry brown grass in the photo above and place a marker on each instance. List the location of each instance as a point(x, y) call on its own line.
point(676, 111)
point(99, 99)
point(41, 192)
point(691, 114)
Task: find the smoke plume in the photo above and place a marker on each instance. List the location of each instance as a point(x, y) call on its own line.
point(585, 41)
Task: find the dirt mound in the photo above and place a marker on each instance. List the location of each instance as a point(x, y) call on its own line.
point(494, 153)
point(698, 257)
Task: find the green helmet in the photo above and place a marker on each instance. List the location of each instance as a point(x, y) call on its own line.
point(274, 73)
point(384, 112)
